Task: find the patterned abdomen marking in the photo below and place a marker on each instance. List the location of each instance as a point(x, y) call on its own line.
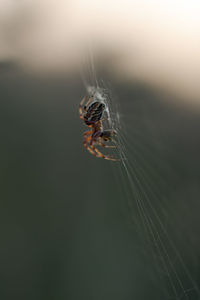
point(94, 112)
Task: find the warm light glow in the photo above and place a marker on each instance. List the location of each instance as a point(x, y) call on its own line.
point(156, 41)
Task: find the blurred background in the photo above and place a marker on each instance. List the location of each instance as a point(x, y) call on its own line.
point(70, 225)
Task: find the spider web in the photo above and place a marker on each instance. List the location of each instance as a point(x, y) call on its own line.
point(143, 175)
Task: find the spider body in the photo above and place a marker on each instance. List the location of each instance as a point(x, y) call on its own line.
point(92, 114)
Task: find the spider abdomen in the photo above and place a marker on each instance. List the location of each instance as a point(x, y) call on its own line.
point(94, 113)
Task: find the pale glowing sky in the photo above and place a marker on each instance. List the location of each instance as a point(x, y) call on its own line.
point(156, 41)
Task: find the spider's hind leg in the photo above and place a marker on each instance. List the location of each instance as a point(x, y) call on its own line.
point(89, 100)
point(80, 107)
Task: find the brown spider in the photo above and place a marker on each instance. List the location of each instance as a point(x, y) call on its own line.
point(92, 113)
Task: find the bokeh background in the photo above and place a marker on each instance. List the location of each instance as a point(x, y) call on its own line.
point(70, 227)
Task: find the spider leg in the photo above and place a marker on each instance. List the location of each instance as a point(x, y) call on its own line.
point(107, 146)
point(83, 100)
point(87, 133)
point(93, 150)
point(80, 107)
point(103, 156)
point(104, 119)
point(87, 147)
point(89, 100)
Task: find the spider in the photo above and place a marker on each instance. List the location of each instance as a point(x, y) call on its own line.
point(92, 114)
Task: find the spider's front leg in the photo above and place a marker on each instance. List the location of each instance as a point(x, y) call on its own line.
point(103, 156)
point(88, 144)
point(107, 135)
point(88, 102)
point(107, 146)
